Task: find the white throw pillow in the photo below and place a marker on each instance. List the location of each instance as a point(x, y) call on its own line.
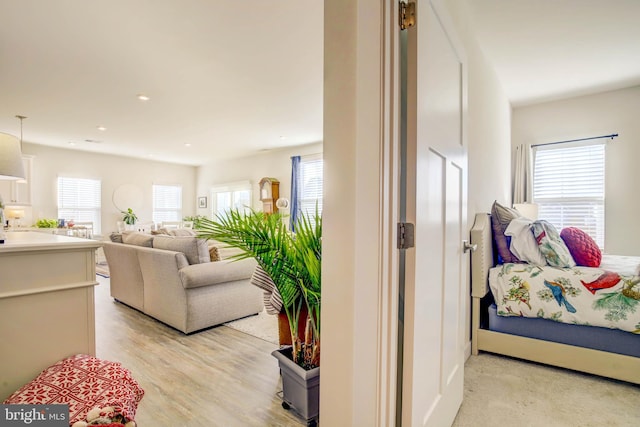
point(523, 242)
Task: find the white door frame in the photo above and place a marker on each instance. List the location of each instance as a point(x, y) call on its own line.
point(360, 259)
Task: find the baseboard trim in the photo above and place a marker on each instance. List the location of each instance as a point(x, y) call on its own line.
point(467, 351)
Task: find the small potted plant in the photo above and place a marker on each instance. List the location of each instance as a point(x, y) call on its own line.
point(129, 217)
point(196, 219)
point(293, 261)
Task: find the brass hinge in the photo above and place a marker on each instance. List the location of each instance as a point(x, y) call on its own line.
point(406, 234)
point(407, 14)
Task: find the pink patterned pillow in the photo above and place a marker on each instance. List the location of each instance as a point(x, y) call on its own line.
point(83, 382)
point(583, 249)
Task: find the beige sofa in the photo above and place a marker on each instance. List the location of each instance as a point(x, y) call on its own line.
point(172, 279)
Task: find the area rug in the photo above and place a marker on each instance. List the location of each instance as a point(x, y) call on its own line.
point(262, 325)
point(102, 269)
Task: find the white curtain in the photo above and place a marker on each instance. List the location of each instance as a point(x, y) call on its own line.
point(523, 179)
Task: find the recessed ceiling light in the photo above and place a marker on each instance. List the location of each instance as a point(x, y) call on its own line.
point(142, 97)
point(72, 143)
point(102, 128)
point(187, 145)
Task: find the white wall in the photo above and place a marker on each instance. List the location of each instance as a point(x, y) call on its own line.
point(272, 164)
point(488, 134)
point(112, 171)
point(594, 115)
point(351, 232)
point(488, 125)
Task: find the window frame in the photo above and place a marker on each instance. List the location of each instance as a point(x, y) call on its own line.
point(80, 208)
point(307, 205)
point(156, 214)
point(576, 173)
point(233, 188)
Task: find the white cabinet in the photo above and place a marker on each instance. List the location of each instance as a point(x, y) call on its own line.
point(5, 190)
point(18, 192)
point(46, 303)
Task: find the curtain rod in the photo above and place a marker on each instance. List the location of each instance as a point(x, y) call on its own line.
point(613, 135)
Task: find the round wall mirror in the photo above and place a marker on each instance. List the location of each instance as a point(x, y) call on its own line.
point(127, 196)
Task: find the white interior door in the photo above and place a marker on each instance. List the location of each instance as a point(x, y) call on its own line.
point(435, 274)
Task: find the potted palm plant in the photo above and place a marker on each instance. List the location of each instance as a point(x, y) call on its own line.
point(293, 261)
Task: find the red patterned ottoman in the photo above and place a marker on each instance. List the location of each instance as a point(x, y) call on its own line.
point(84, 383)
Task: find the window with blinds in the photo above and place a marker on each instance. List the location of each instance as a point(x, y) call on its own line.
point(233, 195)
point(167, 203)
point(79, 199)
point(310, 184)
point(568, 186)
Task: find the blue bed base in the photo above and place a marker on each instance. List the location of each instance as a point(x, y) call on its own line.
point(610, 340)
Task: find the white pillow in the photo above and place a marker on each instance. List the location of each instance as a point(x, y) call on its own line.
point(523, 242)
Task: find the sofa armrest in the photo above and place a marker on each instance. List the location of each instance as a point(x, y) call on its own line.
point(211, 273)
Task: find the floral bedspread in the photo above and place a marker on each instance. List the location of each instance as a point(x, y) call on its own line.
point(578, 295)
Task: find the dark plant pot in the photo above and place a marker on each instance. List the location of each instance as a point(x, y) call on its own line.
point(300, 388)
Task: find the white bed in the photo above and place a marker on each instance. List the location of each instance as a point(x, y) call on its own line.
point(598, 362)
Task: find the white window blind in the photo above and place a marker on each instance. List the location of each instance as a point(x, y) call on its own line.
point(233, 195)
point(79, 200)
point(311, 183)
point(167, 203)
point(568, 186)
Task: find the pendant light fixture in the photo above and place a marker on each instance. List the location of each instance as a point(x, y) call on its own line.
point(11, 166)
point(24, 178)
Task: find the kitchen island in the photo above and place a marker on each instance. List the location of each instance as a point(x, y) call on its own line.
point(46, 303)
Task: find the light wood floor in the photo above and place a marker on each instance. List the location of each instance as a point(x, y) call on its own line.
point(225, 378)
point(218, 377)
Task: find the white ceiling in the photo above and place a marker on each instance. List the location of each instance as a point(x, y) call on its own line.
point(230, 78)
point(551, 49)
point(234, 78)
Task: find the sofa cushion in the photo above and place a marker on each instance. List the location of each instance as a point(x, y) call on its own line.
point(138, 239)
point(196, 250)
point(116, 237)
point(181, 232)
point(212, 273)
point(160, 231)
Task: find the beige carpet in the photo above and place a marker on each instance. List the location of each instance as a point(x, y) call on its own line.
point(501, 391)
point(262, 325)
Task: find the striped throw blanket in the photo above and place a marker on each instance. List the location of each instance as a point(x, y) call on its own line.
point(271, 297)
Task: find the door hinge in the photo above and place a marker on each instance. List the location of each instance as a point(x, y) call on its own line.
point(406, 235)
point(407, 14)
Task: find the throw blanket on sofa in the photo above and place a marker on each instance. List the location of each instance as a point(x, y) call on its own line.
point(271, 296)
